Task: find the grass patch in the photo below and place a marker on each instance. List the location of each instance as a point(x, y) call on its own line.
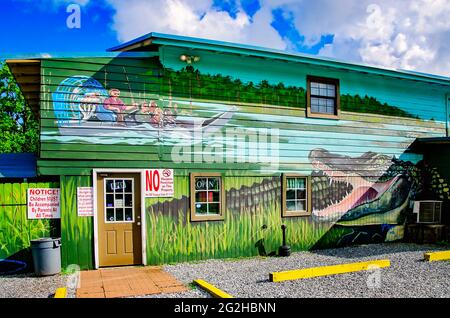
point(16, 230)
point(174, 239)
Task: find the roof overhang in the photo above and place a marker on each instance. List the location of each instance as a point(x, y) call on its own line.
point(153, 40)
point(27, 73)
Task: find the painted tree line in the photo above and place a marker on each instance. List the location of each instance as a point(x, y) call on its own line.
point(190, 83)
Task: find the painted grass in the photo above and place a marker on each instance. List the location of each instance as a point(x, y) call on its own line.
point(178, 240)
point(76, 232)
point(16, 230)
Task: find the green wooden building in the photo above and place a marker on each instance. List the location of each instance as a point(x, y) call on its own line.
point(198, 149)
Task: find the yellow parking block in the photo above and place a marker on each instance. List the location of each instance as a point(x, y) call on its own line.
point(437, 256)
point(61, 292)
point(326, 270)
point(216, 292)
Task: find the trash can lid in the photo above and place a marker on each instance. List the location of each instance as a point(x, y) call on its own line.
point(45, 239)
point(45, 242)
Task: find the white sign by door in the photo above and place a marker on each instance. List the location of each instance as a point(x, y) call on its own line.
point(85, 201)
point(158, 183)
point(43, 203)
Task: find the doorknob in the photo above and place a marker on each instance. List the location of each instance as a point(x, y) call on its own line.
point(138, 223)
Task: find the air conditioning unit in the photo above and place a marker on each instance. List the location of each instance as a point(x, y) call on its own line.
point(428, 211)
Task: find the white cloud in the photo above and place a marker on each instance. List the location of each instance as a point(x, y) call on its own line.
point(193, 18)
point(407, 34)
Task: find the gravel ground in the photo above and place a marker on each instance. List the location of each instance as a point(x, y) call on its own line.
point(408, 276)
point(32, 286)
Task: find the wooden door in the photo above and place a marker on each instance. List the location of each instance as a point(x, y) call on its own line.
point(119, 219)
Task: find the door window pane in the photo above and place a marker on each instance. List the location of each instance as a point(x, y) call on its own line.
point(118, 202)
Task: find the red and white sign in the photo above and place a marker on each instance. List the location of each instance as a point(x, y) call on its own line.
point(85, 201)
point(43, 203)
point(158, 183)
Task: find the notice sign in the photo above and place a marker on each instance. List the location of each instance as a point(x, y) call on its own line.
point(43, 204)
point(158, 183)
point(85, 201)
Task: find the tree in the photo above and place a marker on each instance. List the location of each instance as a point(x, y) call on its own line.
point(18, 124)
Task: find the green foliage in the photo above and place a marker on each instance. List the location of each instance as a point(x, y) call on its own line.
point(371, 105)
point(18, 124)
point(190, 83)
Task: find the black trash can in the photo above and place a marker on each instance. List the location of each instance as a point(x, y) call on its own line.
point(46, 255)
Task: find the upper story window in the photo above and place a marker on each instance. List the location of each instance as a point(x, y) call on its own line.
point(322, 97)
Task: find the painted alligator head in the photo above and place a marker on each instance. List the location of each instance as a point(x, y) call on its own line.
point(348, 188)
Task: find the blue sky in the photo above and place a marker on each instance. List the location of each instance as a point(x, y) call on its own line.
point(42, 26)
point(405, 34)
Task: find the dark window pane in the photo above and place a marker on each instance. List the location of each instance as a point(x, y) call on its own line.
point(290, 205)
point(201, 196)
point(214, 196)
point(213, 183)
point(119, 214)
point(109, 185)
point(200, 183)
point(110, 200)
point(110, 215)
point(290, 194)
point(214, 208)
point(129, 199)
point(128, 186)
point(128, 214)
point(200, 208)
point(301, 194)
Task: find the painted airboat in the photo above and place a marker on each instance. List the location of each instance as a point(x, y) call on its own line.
point(78, 104)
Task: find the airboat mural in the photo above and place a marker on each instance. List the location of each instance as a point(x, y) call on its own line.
point(83, 107)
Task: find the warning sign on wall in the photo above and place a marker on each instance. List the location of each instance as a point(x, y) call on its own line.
point(43, 203)
point(158, 183)
point(85, 201)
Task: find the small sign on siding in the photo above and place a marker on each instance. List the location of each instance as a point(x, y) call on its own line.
point(43, 203)
point(85, 201)
point(158, 183)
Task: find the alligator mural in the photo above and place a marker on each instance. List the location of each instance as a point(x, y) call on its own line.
point(369, 185)
point(367, 197)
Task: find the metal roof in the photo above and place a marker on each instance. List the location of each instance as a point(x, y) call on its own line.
point(153, 38)
point(18, 165)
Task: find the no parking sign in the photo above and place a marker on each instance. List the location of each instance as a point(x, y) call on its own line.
point(158, 183)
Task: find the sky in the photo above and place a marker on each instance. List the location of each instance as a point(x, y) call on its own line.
point(399, 34)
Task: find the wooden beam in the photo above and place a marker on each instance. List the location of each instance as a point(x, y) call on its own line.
point(20, 61)
point(327, 270)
